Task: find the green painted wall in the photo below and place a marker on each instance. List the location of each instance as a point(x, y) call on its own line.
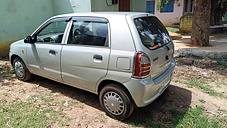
point(62, 6)
point(100, 5)
point(138, 5)
point(81, 5)
point(70, 6)
point(20, 18)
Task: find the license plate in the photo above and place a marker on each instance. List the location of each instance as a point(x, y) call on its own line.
point(164, 85)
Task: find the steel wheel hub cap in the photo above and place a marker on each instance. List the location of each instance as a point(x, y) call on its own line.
point(113, 103)
point(19, 70)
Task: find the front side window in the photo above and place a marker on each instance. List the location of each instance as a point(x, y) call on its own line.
point(52, 33)
point(88, 33)
point(152, 32)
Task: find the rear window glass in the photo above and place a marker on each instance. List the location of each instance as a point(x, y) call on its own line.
point(152, 32)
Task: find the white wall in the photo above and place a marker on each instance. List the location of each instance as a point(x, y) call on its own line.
point(168, 18)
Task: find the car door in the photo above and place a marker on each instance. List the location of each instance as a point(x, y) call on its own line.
point(44, 54)
point(85, 56)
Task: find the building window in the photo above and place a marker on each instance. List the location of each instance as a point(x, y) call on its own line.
point(150, 6)
point(168, 7)
point(188, 6)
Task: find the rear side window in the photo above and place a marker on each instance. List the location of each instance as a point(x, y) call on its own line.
point(152, 32)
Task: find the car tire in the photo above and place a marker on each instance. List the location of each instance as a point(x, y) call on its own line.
point(116, 101)
point(20, 69)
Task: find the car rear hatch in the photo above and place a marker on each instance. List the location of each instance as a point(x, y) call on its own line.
point(156, 44)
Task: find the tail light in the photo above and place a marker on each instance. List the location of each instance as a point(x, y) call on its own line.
point(142, 65)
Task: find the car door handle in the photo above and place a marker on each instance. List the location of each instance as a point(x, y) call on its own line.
point(97, 57)
point(53, 52)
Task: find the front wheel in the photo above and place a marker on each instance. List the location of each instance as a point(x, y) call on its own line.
point(21, 71)
point(116, 101)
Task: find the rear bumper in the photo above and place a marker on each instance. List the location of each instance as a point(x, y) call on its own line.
point(145, 91)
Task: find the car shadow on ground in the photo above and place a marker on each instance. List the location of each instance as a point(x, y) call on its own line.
point(160, 112)
point(68, 91)
point(165, 111)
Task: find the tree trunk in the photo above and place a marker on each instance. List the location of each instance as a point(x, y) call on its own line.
point(201, 23)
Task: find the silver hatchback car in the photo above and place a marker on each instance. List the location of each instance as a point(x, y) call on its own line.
point(124, 57)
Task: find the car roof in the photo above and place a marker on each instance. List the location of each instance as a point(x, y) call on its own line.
point(103, 14)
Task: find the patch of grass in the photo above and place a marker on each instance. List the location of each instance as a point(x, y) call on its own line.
point(224, 83)
point(6, 94)
point(76, 104)
point(34, 97)
point(38, 111)
point(194, 118)
point(212, 79)
point(221, 60)
point(205, 58)
point(218, 84)
point(26, 114)
point(202, 101)
point(176, 80)
point(205, 88)
point(46, 98)
point(102, 117)
point(6, 72)
point(171, 29)
point(203, 81)
point(22, 92)
point(176, 116)
point(224, 111)
point(176, 30)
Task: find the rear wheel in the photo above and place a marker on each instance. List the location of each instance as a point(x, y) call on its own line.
point(21, 71)
point(116, 101)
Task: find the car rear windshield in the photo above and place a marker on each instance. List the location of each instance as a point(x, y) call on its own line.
point(152, 32)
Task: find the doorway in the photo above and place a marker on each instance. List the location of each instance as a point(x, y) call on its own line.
point(124, 5)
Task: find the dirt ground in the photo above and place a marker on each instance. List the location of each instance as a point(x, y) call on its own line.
point(82, 108)
point(88, 113)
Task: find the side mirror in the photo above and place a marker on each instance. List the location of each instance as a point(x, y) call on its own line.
point(28, 39)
